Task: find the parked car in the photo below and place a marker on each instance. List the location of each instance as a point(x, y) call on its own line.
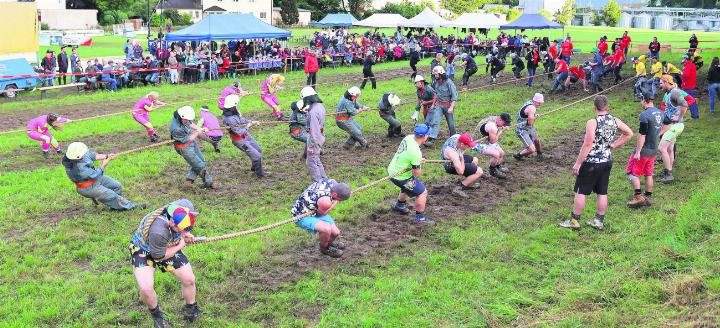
point(17, 74)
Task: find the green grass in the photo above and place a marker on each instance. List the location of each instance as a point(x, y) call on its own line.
point(63, 263)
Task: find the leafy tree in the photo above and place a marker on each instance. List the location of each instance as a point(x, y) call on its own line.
point(405, 8)
point(355, 7)
point(513, 14)
point(611, 13)
point(185, 19)
point(545, 14)
point(320, 8)
point(289, 12)
point(173, 15)
point(566, 13)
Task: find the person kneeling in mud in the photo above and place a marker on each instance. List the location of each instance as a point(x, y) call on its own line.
point(386, 108)
point(346, 110)
point(459, 163)
point(238, 127)
point(319, 199)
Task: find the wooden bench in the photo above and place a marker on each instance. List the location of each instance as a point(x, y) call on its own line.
point(58, 87)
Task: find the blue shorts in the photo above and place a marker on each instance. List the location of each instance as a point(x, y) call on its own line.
point(309, 223)
point(412, 187)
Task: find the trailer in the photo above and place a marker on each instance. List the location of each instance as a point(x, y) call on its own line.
point(16, 75)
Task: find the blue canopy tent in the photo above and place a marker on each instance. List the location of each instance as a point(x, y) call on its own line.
point(228, 27)
point(531, 22)
point(336, 20)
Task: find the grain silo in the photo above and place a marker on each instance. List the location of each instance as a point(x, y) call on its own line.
point(642, 21)
point(625, 20)
point(663, 22)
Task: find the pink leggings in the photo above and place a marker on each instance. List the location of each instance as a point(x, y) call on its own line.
point(38, 136)
point(144, 120)
point(272, 101)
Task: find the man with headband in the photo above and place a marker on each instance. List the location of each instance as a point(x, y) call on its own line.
point(158, 242)
point(320, 198)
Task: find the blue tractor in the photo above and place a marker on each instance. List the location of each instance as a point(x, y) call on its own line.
point(16, 75)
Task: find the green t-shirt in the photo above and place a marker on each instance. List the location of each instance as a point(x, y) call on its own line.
point(407, 155)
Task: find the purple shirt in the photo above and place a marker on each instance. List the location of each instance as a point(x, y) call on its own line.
point(226, 92)
point(39, 123)
point(210, 121)
point(140, 105)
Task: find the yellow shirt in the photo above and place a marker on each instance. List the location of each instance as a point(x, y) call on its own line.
point(640, 69)
point(657, 67)
point(642, 58)
point(671, 69)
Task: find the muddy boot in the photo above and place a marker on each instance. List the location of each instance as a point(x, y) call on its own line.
point(391, 132)
point(459, 191)
point(541, 156)
point(331, 251)
point(428, 143)
point(46, 154)
point(596, 223)
point(667, 178)
point(95, 202)
point(423, 219)
point(337, 244)
point(401, 207)
point(154, 138)
point(191, 312)
point(502, 168)
point(186, 185)
point(260, 171)
point(348, 144)
point(364, 143)
point(496, 172)
point(254, 166)
point(398, 131)
point(159, 319)
point(519, 157)
point(216, 145)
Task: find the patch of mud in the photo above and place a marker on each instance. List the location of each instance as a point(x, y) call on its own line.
point(706, 314)
point(384, 233)
point(41, 220)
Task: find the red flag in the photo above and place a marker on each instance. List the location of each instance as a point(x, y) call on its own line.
point(86, 43)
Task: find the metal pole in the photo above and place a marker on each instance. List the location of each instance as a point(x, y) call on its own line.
point(148, 20)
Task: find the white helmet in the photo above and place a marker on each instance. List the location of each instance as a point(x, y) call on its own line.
point(464, 55)
point(354, 91)
point(187, 113)
point(232, 101)
point(369, 53)
point(76, 150)
point(307, 92)
point(438, 70)
point(419, 78)
point(393, 99)
point(300, 105)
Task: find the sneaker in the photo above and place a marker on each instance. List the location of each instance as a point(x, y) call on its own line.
point(637, 201)
point(422, 219)
point(503, 168)
point(458, 190)
point(519, 157)
point(154, 138)
point(428, 143)
point(667, 178)
point(496, 172)
point(160, 321)
point(191, 312)
point(337, 244)
point(401, 208)
point(648, 201)
point(331, 251)
point(570, 224)
point(597, 224)
point(541, 156)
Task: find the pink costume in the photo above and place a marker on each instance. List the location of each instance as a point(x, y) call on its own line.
point(140, 114)
point(268, 96)
point(226, 92)
point(210, 121)
point(37, 129)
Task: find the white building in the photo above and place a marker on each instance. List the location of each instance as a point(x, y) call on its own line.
point(533, 6)
point(57, 17)
point(303, 17)
point(261, 9)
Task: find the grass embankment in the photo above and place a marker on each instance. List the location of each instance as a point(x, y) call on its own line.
point(64, 263)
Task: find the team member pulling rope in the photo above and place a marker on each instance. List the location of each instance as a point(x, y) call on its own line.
point(158, 242)
point(238, 127)
point(409, 156)
point(525, 129)
point(386, 108)
point(346, 110)
point(268, 93)
point(316, 132)
point(491, 128)
point(141, 109)
point(37, 129)
point(184, 134)
point(460, 163)
point(321, 197)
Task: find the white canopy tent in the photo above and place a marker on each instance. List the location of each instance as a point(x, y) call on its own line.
point(476, 20)
point(427, 18)
point(382, 20)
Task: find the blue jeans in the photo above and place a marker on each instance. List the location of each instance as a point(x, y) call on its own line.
point(559, 81)
point(713, 91)
point(531, 74)
point(567, 59)
point(113, 84)
point(595, 80)
point(434, 120)
point(694, 111)
point(195, 158)
point(152, 78)
point(107, 191)
point(655, 54)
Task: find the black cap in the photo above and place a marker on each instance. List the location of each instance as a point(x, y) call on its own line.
point(506, 118)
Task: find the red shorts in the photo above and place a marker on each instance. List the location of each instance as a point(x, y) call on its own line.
point(645, 166)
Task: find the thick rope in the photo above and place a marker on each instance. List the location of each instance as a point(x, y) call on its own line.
point(145, 147)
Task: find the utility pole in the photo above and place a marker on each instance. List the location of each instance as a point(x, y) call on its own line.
point(148, 20)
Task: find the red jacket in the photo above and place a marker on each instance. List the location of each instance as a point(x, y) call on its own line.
point(553, 52)
point(562, 66)
point(689, 76)
point(567, 48)
point(602, 48)
point(311, 63)
point(625, 41)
